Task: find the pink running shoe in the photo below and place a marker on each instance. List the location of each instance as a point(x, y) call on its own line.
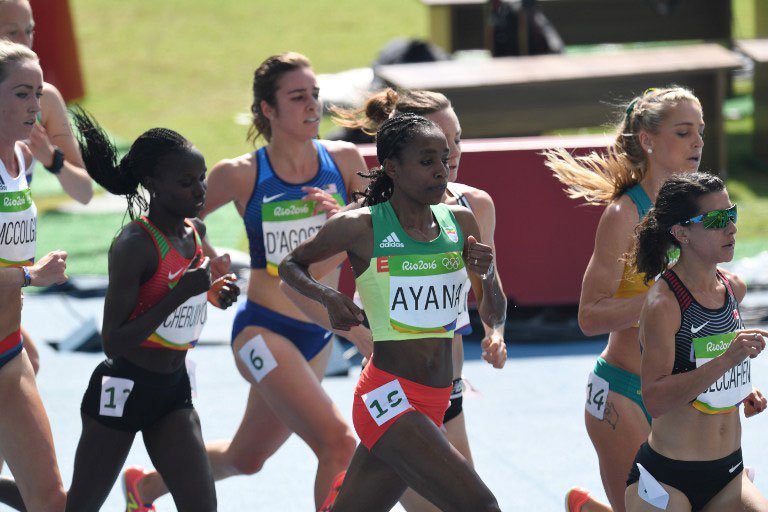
point(575, 498)
point(133, 502)
point(335, 488)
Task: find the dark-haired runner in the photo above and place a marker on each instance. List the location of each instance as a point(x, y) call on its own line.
point(409, 254)
point(154, 311)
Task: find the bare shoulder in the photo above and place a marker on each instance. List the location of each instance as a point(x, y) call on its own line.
point(51, 95)
point(661, 304)
point(133, 243)
point(234, 170)
point(345, 154)
point(618, 221)
point(476, 196)
point(466, 220)
point(737, 283)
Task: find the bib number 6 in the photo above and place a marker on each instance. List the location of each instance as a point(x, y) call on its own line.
point(386, 402)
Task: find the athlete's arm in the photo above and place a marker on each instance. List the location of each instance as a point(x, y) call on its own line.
point(229, 181)
point(358, 334)
point(55, 130)
point(478, 258)
point(599, 311)
point(131, 258)
point(662, 391)
point(350, 163)
point(348, 231)
point(46, 271)
point(485, 214)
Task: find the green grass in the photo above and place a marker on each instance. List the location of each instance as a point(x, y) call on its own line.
point(188, 65)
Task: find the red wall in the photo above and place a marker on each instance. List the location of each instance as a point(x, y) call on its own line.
point(56, 46)
point(543, 239)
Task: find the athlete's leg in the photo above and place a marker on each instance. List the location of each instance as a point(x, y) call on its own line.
point(175, 445)
point(455, 432)
point(10, 495)
point(31, 348)
point(26, 441)
point(740, 494)
point(100, 455)
point(420, 454)
point(289, 398)
point(616, 438)
point(370, 485)
point(677, 500)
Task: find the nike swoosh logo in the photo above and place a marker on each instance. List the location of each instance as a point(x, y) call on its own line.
point(173, 275)
point(268, 199)
point(694, 330)
point(734, 467)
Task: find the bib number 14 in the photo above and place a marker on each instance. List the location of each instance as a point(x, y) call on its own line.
point(386, 402)
point(597, 394)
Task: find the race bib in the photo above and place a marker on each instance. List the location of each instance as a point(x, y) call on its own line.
point(386, 402)
point(426, 292)
point(735, 384)
point(597, 394)
point(114, 393)
point(18, 228)
point(182, 328)
point(257, 358)
point(286, 224)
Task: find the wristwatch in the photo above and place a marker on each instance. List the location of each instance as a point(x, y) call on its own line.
point(58, 161)
point(27, 277)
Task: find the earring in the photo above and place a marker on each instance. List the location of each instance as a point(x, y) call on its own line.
point(650, 150)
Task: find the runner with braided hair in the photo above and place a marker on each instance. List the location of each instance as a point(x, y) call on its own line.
point(410, 255)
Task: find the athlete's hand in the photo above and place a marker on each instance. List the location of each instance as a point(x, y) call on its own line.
point(224, 291)
point(49, 269)
point(747, 343)
point(360, 336)
point(343, 313)
point(196, 279)
point(325, 202)
point(40, 145)
point(477, 257)
point(755, 403)
point(494, 348)
point(220, 266)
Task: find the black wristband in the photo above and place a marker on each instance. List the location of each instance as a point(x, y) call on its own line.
point(57, 163)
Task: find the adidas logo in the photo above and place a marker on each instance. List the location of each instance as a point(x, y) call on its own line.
point(2, 183)
point(391, 241)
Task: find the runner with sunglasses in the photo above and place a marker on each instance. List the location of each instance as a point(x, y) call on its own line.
point(696, 359)
point(660, 133)
point(410, 256)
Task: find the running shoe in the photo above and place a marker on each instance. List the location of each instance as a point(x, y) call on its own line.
point(575, 498)
point(335, 488)
point(133, 502)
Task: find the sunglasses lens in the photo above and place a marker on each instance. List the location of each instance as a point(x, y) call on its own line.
point(718, 219)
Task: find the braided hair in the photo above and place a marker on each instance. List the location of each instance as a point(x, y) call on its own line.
point(124, 177)
point(391, 138)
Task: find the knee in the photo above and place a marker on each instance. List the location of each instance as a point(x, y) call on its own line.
point(338, 447)
point(248, 464)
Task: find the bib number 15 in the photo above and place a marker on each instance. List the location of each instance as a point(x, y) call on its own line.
point(386, 402)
